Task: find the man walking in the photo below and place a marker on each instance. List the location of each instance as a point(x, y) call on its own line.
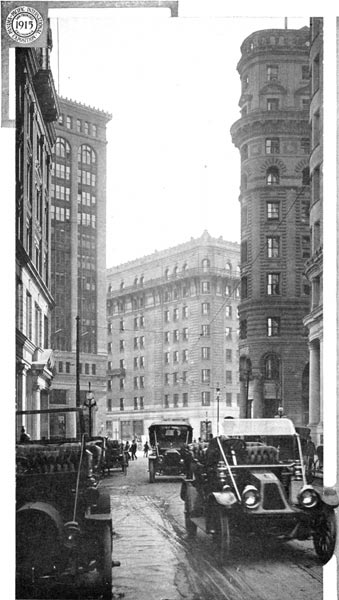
point(134, 450)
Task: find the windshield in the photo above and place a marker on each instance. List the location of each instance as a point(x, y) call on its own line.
point(50, 425)
point(171, 435)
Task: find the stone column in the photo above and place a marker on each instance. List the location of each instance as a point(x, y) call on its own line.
point(36, 405)
point(21, 395)
point(243, 398)
point(314, 398)
point(258, 408)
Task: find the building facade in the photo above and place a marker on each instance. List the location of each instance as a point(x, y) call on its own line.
point(273, 137)
point(314, 265)
point(173, 338)
point(78, 259)
point(36, 113)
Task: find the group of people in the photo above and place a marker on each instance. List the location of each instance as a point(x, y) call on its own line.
point(132, 448)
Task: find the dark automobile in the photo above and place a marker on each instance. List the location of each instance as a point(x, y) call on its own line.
point(115, 457)
point(169, 441)
point(63, 515)
point(251, 480)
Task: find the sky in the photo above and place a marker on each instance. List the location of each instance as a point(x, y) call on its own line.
point(172, 88)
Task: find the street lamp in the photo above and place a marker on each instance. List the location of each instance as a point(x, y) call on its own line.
point(218, 400)
point(90, 403)
point(207, 423)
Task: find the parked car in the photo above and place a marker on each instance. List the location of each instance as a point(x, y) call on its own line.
point(169, 441)
point(115, 457)
point(63, 515)
point(252, 480)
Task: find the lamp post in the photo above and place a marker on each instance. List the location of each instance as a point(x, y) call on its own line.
point(207, 423)
point(90, 403)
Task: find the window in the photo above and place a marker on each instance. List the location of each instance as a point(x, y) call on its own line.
point(68, 367)
point(94, 130)
point(185, 355)
point(136, 322)
point(205, 263)
point(86, 128)
point(69, 122)
point(244, 152)
point(166, 316)
point(273, 246)
point(141, 322)
point(273, 326)
point(273, 284)
point(244, 287)
point(122, 383)
point(122, 345)
point(122, 363)
point(94, 369)
point(142, 362)
point(175, 378)
point(121, 404)
point(142, 341)
point(305, 104)
point(228, 399)
point(272, 146)
point(175, 400)
point(109, 404)
point(228, 290)
point(228, 333)
point(243, 251)
point(78, 125)
point(185, 334)
point(142, 382)
point(205, 398)
point(136, 343)
point(60, 366)
point(305, 145)
point(135, 401)
point(272, 176)
point(184, 377)
point(244, 82)
point(184, 312)
point(305, 246)
point(205, 287)
point(272, 72)
point(185, 399)
point(205, 375)
point(166, 378)
point(316, 235)
point(176, 335)
point(273, 210)
point(272, 367)
point(205, 308)
point(87, 368)
point(175, 356)
point(243, 329)
point(228, 376)
point(305, 72)
point(205, 353)
point(166, 402)
point(167, 337)
point(228, 355)
point(136, 383)
point(305, 176)
point(136, 362)
point(272, 104)
point(175, 314)
point(122, 325)
point(205, 331)
point(228, 311)
point(109, 384)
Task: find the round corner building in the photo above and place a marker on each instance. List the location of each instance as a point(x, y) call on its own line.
point(273, 137)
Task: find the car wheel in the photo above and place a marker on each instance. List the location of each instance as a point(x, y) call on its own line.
point(324, 535)
point(191, 527)
point(151, 468)
point(105, 563)
point(222, 533)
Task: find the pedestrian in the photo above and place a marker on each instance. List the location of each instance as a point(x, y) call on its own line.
point(134, 450)
point(146, 449)
point(24, 437)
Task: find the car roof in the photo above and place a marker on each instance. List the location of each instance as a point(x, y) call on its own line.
point(273, 426)
point(170, 424)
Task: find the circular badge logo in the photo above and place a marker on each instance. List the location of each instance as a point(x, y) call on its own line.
point(24, 24)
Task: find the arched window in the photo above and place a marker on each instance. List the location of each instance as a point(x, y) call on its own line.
point(122, 285)
point(205, 263)
point(185, 266)
point(62, 148)
point(136, 281)
point(272, 367)
point(272, 176)
point(244, 152)
point(305, 176)
point(175, 271)
point(166, 273)
point(228, 267)
point(86, 155)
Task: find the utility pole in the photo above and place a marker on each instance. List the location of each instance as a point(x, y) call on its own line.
point(77, 363)
point(218, 401)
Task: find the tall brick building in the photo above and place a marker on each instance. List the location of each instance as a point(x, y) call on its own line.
point(36, 113)
point(273, 137)
point(173, 337)
point(78, 258)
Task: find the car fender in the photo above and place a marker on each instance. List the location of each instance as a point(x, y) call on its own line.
point(225, 498)
point(45, 508)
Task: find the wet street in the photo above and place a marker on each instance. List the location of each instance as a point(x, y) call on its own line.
point(160, 562)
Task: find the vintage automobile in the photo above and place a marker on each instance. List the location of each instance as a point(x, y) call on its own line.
point(169, 441)
point(63, 515)
point(251, 480)
point(115, 457)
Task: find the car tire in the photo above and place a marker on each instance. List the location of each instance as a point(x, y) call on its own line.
point(324, 535)
point(222, 533)
point(151, 468)
point(105, 563)
point(191, 527)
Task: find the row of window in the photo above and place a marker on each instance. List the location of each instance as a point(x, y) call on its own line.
point(80, 125)
point(273, 328)
point(272, 74)
point(273, 104)
point(272, 146)
point(273, 211)
point(172, 401)
point(273, 247)
point(84, 368)
point(86, 156)
point(272, 177)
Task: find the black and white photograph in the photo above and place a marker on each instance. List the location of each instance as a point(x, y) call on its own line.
point(170, 412)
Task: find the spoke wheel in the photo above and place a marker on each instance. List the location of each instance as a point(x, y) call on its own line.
point(222, 533)
point(106, 562)
point(324, 536)
point(191, 527)
point(151, 467)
